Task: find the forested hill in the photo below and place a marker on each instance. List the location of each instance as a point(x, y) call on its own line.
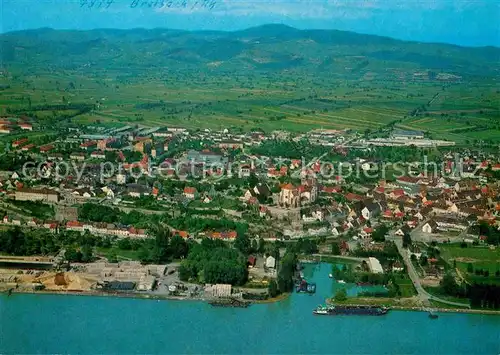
point(270, 48)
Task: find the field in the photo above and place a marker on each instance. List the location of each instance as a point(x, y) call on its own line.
point(405, 285)
point(210, 104)
point(295, 80)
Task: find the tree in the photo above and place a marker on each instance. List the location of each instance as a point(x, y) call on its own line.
point(178, 247)
point(406, 240)
point(286, 272)
point(341, 295)
point(335, 248)
point(272, 289)
point(262, 245)
point(254, 246)
point(423, 260)
point(379, 233)
point(242, 243)
point(160, 247)
point(124, 244)
point(112, 257)
point(252, 180)
point(449, 285)
point(87, 254)
point(73, 255)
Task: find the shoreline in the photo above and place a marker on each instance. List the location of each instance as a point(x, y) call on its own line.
point(277, 299)
point(426, 309)
point(147, 296)
point(106, 294)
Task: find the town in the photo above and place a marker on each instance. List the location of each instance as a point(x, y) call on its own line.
point(177, 213)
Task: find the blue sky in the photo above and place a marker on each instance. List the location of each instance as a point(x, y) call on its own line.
point(464, 22)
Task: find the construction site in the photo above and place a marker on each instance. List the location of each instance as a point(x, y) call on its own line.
point(25, 274)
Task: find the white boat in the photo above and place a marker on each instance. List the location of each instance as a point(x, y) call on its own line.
point(341, 281)
point(330, 275)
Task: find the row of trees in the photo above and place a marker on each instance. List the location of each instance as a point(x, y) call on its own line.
point(480, 295)
point(387, 254)
point(15, 241)
point(163, 247)
point(101, 213)
point(484, 296)
point(286, 273)
point(348, 274)
point(193, 223)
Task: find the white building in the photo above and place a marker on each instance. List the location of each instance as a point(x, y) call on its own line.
point(270, 262)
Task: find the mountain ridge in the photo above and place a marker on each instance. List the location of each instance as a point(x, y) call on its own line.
point(271, 26)
point(268, 47)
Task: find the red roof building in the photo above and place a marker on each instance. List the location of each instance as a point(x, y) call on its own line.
point(19, 142)
point(252, 260)
point(331, 190)
point(88, 144)
point(26, 126)
point(190, 190)
point(46, 148)
point(27, 147)
point(354, 197)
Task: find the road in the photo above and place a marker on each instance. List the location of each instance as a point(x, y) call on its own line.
point(424, 296)
point(417, 235)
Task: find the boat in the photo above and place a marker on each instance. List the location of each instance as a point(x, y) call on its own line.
point(330, 276)
point(432, 314)
point(341, 281)
point(337, 310)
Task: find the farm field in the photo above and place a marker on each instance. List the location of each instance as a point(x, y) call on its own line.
point(145, 104)
point(479, 257)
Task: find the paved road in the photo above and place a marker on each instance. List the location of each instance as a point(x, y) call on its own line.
point(424, 296)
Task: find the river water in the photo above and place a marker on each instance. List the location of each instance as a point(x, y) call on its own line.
point(46, 324)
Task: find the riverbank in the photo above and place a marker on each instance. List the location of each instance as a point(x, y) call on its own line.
point(151, 296)
point(105, 294)
point(407, 304)
point(278, 298)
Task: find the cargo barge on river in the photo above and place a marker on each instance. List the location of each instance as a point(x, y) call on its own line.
point(338, 310)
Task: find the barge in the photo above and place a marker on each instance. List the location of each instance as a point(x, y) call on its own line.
point(229, 302)
point(338, 310)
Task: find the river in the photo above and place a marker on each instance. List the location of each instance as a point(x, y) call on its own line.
point(32, 323)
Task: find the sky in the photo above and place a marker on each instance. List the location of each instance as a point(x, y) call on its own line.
point(462, 22)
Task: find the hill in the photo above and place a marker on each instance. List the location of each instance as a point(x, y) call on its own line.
point(268, 47)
